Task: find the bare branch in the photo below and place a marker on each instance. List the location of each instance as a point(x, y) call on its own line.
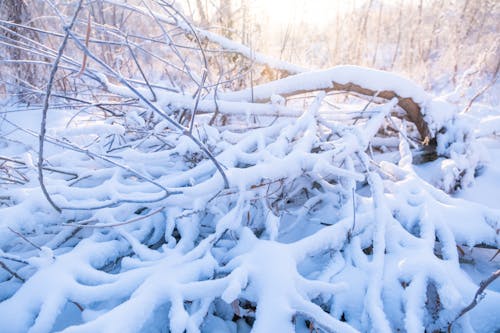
point(150, 104)
point(477, 297)
point(84, 224)
point(87, 36)
point(13, 273)
point(43, 125)
point(25, 239)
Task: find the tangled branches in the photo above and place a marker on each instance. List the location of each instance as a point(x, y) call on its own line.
point(276, 208)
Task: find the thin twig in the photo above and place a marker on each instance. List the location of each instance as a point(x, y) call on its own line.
point(150, 104)
point(13, 258)
point(43, 125)
point(198, 94)
point(111, 225)
point(25, 238)
point(70, 146)
point(477, 297)
point(485, 88)
point(375, 95)
point(495, 255)
point(171, 44)
point(14, 274)
point(193, 30)
point(74, 175)
point(87, 36)
point(349, 234)
point(139, 67)
point(11, 180)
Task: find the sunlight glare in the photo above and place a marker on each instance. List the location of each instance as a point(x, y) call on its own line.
point(317, 13)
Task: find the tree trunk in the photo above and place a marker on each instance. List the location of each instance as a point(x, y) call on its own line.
point(20, 78)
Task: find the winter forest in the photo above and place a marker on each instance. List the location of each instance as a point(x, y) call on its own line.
point(237, 166)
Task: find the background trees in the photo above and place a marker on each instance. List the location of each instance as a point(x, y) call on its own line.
point(20, 76)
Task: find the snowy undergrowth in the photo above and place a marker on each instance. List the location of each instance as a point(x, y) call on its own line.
point(312, 231)
point(278, 208)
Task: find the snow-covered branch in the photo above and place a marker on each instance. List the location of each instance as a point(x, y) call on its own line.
point(189, 206)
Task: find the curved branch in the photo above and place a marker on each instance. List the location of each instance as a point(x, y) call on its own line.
point(43, 125)
point(365, 81)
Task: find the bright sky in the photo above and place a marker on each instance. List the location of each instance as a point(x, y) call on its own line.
point(314, 12)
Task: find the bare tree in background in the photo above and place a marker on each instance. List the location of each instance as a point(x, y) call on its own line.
point(19, 77)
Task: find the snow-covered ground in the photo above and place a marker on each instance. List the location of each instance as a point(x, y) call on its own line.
point(486, 188)
point(341, 200)
point(210, 268)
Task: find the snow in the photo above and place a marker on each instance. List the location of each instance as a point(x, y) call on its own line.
point(183, 270)
point(316, 226)
point(486, 185)
point(323, 79)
